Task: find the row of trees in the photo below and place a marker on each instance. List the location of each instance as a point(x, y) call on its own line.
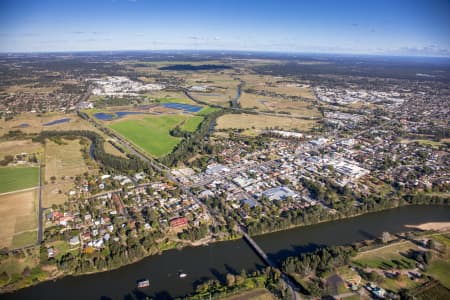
point(192, 143)
point(194, 233)
point(320, 261)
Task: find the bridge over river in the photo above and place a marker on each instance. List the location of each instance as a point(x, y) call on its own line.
point(292, 286)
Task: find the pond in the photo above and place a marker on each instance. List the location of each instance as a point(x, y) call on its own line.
point(116, 115)
point(59, 121)
point(187, 108)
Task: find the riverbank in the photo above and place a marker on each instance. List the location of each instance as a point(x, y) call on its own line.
point(437, 226)
point(344, 217)
point(167, 251)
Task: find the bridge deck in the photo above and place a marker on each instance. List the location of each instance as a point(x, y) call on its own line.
point(258, 249)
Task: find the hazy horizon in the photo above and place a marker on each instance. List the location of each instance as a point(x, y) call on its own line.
point(391, 28)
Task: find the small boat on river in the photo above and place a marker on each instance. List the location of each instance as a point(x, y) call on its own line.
point(143, 283)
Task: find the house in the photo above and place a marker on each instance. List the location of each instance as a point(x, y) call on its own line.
point(86, 236)
point(250, 202)
point(98, 243)
point(50, 252)
point(178, 222)
point(139, 176)
point(74, 241)
point(49, 216)
point(206, 194)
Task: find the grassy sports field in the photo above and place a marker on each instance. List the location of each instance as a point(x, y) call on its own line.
point(18, 178)
point(152, 133)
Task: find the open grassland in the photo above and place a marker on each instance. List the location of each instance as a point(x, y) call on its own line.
point(254, 294)
point(261, 122)
point(24, 239)
point(36, 123)
point(390, 256)
point(13, 265)
point(180, 99)
point(220, 96)
point(274, 84)
point(18, 178)
point(19, 146)
point(29, 88)
point(66, 161)
point(207, 110)
point(442, 239)
point(167, 96)
point(432, 290)
point(223, 86)
point(151, 133)
point(440, 269)
point(191, 124)
point(18, 218)
point(396, 285)
point(113, 150)
point(266, 103)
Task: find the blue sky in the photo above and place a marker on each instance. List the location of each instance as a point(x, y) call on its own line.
point(399, 27)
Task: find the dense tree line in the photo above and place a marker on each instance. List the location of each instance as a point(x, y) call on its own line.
point(286, 219)
point(194, 233)
point(320, 261)
point(423, 198)
point(106, 102)
point(193, 143)
point(340, 199)
point(268, 278)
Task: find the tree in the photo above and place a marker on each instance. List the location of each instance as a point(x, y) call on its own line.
point(231, 280)
point(4, 277)
point(427, 257)
point(239, 279)
point(431, 244)
point(385, 237)
point(26, 272)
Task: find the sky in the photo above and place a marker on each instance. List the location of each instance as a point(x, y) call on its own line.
point(381, 27)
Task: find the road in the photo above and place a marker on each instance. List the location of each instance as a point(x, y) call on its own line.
point(166, 171)
point(156, 165)
point(85, 96)
point(41, 209)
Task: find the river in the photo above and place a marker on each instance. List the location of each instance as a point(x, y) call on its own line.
point(235, 101)
point(215, 260)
